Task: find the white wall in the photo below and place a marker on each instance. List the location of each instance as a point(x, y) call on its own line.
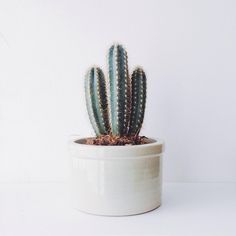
point(187, 48)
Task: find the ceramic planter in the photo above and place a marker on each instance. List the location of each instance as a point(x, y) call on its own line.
point(116, 180)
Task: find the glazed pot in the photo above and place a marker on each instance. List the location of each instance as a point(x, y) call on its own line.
point(116, 180)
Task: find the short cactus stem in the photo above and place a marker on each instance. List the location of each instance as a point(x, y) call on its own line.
point(120, 90)
point(96, 100)
point(138, 80)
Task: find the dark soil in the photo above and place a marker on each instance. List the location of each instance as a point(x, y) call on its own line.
point(108, 140)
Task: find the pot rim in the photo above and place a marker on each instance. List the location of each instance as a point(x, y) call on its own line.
point(81, 150)
point(154, 141)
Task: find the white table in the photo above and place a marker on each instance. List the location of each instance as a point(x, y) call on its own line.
point(188, 209)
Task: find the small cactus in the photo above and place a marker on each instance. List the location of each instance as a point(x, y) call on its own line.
point(139, 86)
point(96, 100)
point(123, 117)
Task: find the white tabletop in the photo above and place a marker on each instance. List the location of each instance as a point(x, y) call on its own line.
point(44, 209)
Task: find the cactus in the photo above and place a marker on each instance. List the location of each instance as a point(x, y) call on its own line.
point(96, 100)
point(119, 81)
point(127, 97)
point(138, 80)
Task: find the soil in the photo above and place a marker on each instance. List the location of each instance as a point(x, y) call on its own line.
point(108, 140)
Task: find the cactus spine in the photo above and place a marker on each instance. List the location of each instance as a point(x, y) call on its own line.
point(119, 81)
point(138, 80)
point(96, 100)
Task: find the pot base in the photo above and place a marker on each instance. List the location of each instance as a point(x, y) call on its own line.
point(118, 215)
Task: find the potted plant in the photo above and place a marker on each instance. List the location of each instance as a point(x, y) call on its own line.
point(117, 172)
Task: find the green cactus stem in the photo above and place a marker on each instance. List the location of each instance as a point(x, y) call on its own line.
point(138, 81)
point(120, 90)
point(96, 100)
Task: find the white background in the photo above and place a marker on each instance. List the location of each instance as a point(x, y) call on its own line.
point(187, 49)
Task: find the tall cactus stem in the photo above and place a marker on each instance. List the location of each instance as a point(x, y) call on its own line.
point(120, 90)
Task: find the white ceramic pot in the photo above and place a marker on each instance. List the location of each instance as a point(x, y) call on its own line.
point(116, 180)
